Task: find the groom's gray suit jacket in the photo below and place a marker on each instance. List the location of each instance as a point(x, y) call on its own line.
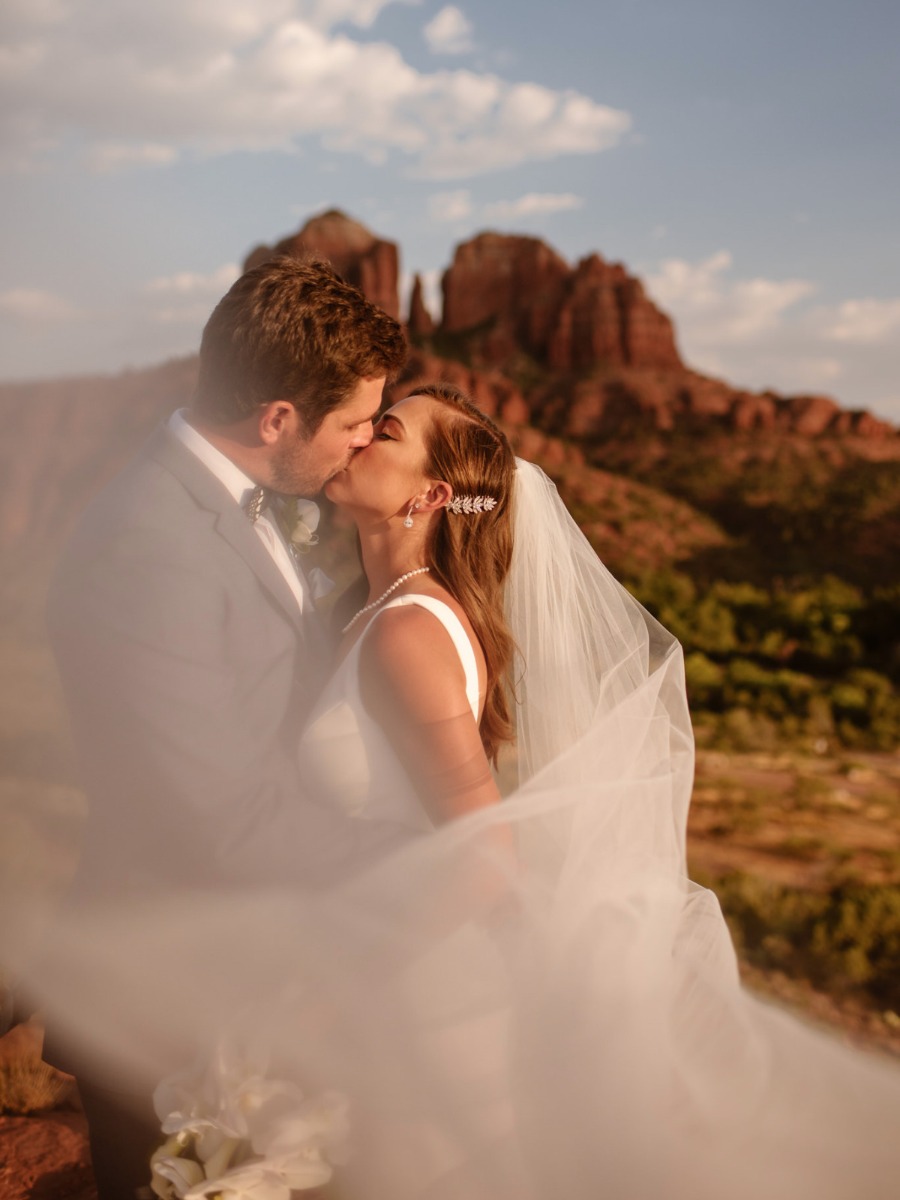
point(188, 670)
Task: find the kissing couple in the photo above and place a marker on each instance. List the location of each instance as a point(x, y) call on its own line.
point(448, 836)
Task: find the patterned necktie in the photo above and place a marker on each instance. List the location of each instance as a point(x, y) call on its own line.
point(256, 502)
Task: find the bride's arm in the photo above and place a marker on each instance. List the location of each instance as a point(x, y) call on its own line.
point(414, 685)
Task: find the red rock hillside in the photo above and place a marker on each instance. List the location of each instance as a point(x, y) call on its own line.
point(577, 353)
point(585, 346)
point(367, 261)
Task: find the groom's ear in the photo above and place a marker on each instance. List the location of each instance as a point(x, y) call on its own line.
point(438, 495)
point(275, 419)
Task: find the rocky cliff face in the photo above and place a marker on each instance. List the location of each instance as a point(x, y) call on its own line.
point(632, 401)
point(578, 357)
point(506, 295)
point(420, 321)
point(600, 358)
point(368, 262)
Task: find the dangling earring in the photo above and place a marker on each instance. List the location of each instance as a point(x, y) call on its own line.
point(408, 522)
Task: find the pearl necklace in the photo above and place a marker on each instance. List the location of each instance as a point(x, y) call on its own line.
point(384, 595)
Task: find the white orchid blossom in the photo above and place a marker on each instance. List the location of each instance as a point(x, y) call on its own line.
point(251, 1181)
point(302, 520)
point(173, 1177)
point(235, 1134)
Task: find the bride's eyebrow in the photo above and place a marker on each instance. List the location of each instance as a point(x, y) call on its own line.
point(389, 416)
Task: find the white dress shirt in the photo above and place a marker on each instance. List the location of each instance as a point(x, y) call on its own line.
point(240, 486)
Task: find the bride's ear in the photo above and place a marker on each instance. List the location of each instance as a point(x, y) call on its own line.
point(438, 495)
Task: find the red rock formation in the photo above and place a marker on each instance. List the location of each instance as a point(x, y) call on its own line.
point(648, 336)
point(368, 262)
point(811, 415)
point(421, 322)
point(610, 374)
point(493, 393)
point(512, 284)
point(863, 424)
point(515, 294)
point(750, 412)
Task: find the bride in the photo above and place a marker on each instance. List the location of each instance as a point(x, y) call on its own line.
point(420, 701)
point(562, 1015)
point(530, 999)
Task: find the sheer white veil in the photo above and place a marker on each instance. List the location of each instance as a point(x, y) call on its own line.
point(584, 1036)
point(584, 644)
point(590, 657)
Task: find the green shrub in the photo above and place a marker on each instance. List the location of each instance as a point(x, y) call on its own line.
point(817, 659)
point(843, 940)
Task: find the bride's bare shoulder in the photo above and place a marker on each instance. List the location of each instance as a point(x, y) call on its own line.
point(409, 656)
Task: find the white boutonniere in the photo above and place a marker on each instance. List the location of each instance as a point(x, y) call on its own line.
point(299, 520)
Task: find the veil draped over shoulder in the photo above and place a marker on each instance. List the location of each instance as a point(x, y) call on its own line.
point(583, 1036)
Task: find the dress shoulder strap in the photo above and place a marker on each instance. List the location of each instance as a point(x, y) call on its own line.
point(458, 635)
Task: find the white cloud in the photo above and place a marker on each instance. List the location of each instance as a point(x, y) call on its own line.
point(532, 204)
point(449, 31)
point(325, 14)
point(187, 297)
point(116, 156)
point(35, 306)
point(718, 310)
point(190, 283)
point(866, 322)
point(760, 333)
point(456, 206)
point(450, 206)
point(143, 84)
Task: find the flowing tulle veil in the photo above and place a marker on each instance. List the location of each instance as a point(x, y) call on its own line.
point(585, 1034)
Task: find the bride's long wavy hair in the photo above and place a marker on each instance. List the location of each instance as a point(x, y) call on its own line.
point(470, 553)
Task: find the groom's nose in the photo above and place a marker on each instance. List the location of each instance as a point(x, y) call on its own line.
point(362, 436)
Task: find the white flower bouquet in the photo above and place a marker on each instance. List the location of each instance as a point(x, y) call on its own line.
point(233, 1134)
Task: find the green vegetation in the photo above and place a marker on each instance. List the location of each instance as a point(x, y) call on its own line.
point(816, 661)
point(845, 941)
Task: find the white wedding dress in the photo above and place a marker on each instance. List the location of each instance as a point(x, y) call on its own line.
point(344, 752)
point(599, 1044)
point(350, 764)
point(588, 1038)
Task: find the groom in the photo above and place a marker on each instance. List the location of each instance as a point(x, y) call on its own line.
point(186, 636)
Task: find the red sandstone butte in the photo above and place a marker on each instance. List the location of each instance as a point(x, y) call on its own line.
point(512, 294)
point(421, 322)
point(368, 262)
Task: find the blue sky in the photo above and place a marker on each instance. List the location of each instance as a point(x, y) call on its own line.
point(742, 157)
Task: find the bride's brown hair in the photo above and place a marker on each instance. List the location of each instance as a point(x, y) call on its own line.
point(470, 553)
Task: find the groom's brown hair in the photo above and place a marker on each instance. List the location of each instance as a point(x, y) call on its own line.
point(292, 329)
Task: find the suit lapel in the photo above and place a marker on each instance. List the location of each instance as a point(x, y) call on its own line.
point(231, 521)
